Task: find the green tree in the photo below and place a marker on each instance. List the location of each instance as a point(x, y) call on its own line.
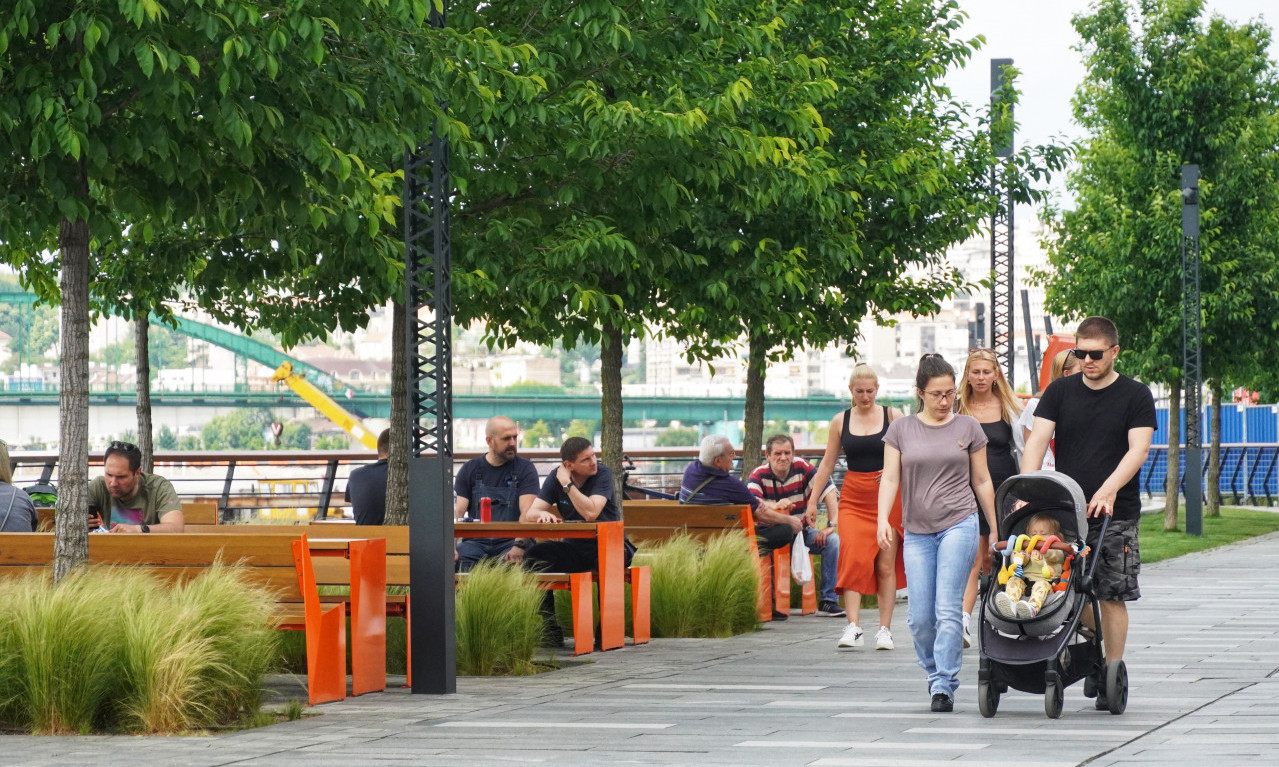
point(566, 228)
point(332, 442)
point(165, 439)
point(1164, 87)
point(677, 436)
point(243, 429)
point(538, 435)
point(294, 436)
point(245, 147)
point(33, 330)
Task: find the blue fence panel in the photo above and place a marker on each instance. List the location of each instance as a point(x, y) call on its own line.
point(1263, 426)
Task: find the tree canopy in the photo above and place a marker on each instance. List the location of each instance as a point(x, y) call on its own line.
point(244, 148)
point(1166, 87)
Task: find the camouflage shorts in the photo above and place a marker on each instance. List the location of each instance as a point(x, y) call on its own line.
point(1118, 561)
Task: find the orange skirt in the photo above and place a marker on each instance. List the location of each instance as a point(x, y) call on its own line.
point(858, 526)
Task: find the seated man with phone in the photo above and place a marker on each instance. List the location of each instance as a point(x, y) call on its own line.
point(133, 501)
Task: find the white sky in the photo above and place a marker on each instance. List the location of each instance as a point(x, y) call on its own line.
point(1037, 35)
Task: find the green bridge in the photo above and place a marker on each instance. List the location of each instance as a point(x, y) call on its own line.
point(527, 408)
point(522, 408)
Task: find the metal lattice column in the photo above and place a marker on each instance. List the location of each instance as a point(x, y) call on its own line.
point(1001, 232)
point(1191, 334)
point(428, 293)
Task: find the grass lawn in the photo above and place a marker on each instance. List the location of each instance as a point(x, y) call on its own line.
point(1233, 525)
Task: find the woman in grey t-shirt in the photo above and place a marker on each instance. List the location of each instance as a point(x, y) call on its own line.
point(938, 459)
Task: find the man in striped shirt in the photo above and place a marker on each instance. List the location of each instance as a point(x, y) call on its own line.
point(787, 481)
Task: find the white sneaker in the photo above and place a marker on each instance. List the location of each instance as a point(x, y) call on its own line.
point(883, 639)
point(1004, 604)
point(853, 636)
point(968, 636)
point(1025, 609)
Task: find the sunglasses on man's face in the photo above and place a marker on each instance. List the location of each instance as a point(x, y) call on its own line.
point(1093, 354)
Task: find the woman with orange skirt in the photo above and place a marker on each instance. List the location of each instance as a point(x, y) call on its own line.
point(864, 568)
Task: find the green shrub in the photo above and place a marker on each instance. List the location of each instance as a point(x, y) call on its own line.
point(727, 588)
point(703, 591)
point(499, 627)
point(116, 649)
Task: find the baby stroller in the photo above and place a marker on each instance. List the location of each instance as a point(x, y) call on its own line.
point(1051, 650)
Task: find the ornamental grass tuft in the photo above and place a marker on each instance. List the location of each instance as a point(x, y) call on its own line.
point(705, 590)
point(118, 650)
point(499, 626)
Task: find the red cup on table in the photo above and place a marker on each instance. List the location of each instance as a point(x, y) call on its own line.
point(486, 510)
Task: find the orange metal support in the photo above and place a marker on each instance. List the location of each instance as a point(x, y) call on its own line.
point(641, 580)
point(808, 596)
point(325, 634)
point(368, 615)
point(781, 579)
point(582, 598)
point(612, 585)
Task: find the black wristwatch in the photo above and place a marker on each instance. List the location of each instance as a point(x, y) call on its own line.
point(146, 528)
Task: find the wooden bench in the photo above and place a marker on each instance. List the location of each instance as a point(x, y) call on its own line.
point(281, 564)
point(657, 521)
point(202, 512)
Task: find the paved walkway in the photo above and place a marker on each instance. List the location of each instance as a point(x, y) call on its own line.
point(1203, 647)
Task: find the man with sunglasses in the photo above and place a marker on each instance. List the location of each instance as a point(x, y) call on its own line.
point(1101, 423)
point(128, 500)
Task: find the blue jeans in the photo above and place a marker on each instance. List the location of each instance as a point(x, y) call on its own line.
point(937, 567)
point(830, 561)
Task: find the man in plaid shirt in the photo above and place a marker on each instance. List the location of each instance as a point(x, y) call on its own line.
point(787, 481)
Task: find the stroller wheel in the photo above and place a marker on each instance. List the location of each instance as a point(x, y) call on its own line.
point(1116, 686)
point(1054, 698)
point(987, 698)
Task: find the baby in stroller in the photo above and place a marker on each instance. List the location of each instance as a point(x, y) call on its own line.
point(1032, 561)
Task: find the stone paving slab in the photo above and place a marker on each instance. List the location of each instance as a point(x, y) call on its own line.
point(1203, 646)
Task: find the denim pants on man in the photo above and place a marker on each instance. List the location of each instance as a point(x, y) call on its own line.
point(830, 561)
point(937, 567)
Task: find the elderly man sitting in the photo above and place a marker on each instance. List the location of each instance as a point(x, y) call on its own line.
point(707, 481)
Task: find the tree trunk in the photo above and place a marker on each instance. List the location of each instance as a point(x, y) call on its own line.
point(753, 415)
point(611, 404)
point(397, 466)
point(1212, 501)
point(1172, 485)
point(142, 350)
point(71, 538)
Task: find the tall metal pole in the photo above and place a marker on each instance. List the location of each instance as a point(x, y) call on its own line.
point(1032, 348)
point(1191, 333)
point(428, 292)
point(1001, 223)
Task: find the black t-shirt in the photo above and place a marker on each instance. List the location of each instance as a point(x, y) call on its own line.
point(1092, 432)
point(366, 492)
point(999, 450)
point(600, 484)
point(502, 484)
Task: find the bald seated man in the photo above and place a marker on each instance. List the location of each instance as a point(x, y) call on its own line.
point(510, 484)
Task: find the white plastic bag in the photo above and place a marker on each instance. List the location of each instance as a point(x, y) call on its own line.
point(801, 567)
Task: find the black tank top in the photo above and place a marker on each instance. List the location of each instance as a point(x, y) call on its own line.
point(999, 451)
point(863, 453)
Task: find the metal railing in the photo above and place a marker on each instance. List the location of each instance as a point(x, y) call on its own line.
point(1248, 472)
point(281, 483)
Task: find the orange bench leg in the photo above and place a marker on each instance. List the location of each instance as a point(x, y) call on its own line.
point(640, 615)
point(765, 605)
point(808, 593)
point(368, 616)
point(583, 612)
point(325, 635)
point(781, 578)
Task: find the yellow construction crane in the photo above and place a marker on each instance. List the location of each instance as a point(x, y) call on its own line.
point(325, 404)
